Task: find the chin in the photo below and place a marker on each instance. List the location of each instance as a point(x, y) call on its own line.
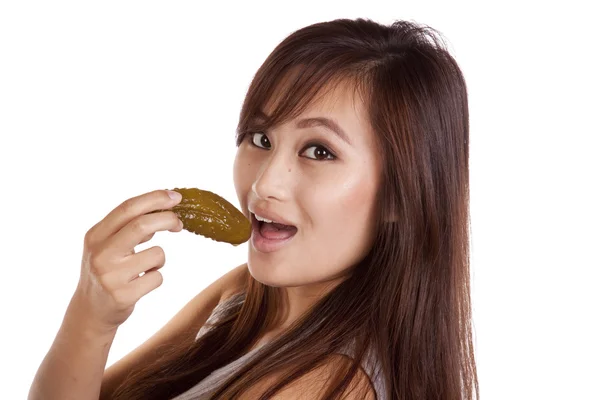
point(270, 273)
point(263, 271)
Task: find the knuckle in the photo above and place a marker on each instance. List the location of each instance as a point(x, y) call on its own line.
point(127, 206)
point(104, 282)
point(96, 264)
point(147, 238)
point(159, 253)
point(138, 226)
point(121, 299)
point(159, 278)
point(90, 237)
point(100, 263)
point(156, 279)
point(164, 197)
point(174, 217)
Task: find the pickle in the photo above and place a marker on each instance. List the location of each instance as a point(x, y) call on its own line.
point(208, 214)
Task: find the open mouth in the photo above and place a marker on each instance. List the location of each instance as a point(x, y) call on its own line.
point(270, 236)
point(272, 230)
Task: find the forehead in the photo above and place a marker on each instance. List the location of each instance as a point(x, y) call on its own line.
point(338, 98)
point(295, 87)
point(341, 100)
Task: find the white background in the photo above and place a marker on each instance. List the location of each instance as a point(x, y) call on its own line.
point(102, 101)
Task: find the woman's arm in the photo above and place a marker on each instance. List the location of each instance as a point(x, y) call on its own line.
point(74, 365)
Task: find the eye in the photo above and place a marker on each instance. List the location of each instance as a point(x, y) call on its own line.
point(318, 152)
point(261, 140)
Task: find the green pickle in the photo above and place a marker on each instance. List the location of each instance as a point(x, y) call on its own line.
point(208, 214)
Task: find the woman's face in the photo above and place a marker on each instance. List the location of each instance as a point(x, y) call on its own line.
point(319, 184)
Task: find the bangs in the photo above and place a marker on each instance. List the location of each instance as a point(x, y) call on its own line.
point(279, 95)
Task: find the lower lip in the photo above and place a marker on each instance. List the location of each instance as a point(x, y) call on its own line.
point(264, 245)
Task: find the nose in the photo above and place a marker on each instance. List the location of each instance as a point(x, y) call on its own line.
point(273, 179)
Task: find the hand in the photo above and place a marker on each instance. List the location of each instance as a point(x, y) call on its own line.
point(110, 283)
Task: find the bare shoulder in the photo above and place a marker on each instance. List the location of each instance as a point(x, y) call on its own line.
point(315, 382)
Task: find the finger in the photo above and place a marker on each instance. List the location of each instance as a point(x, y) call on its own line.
point(178, 228)
point(132, 234)
point(150, 259)
point(150, 236)
point(147, 238)
point(145, 284)
point(137, 289)
point(132, 208)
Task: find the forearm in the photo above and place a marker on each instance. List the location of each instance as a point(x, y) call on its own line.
point(74, 366)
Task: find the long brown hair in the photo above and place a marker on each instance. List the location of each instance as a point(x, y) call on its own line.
point(409, 299)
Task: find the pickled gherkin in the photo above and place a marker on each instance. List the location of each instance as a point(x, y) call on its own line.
point(208, 214)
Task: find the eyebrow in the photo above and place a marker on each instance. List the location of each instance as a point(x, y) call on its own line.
point(326, 123)
point(314, 122)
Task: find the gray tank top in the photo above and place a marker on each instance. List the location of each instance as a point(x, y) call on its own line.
point(203, 389)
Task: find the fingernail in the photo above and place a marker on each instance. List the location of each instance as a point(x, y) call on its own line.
point(174, 195)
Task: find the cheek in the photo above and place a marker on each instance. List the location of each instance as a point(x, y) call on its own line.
point(357, 206)
point(342, 231)
point(349, 205)
point(351, 213)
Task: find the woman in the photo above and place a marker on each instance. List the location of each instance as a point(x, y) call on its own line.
point(353, 165)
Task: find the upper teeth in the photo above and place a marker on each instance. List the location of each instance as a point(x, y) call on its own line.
point(258, 217)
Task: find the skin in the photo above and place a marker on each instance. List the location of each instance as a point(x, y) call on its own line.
point(330, 201)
